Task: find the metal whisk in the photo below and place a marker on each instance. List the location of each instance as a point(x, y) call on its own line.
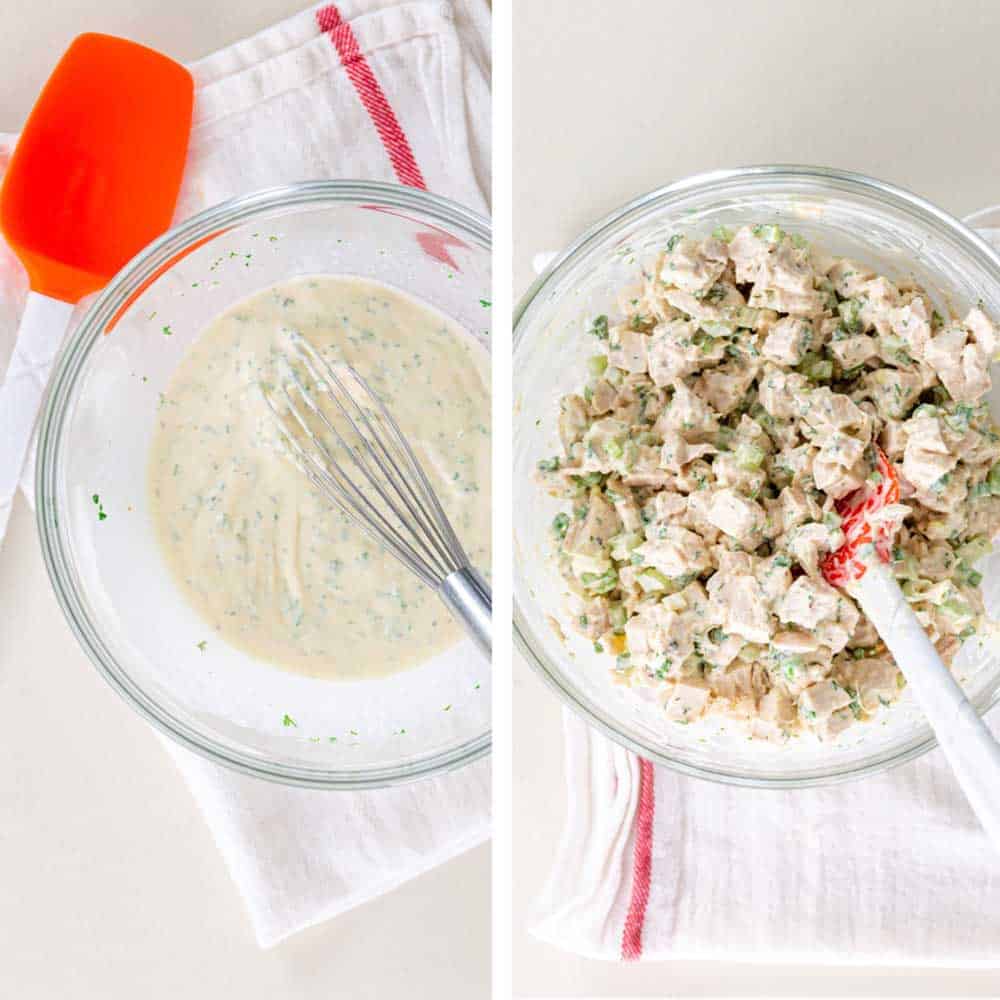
point(367, 469)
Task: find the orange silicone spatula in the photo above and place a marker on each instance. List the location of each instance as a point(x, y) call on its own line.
point(94, 177)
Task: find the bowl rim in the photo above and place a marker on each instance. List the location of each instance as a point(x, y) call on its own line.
point(900, 198)
point(115, 297)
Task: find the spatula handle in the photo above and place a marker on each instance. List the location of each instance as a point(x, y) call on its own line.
point(970, 747)
point(23, 388)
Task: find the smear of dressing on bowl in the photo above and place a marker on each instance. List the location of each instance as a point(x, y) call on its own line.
point(254, 548)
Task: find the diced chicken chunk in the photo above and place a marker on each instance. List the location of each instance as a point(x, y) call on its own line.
point(821, 700)
point(961, 364)
point(808, 602)
point(675, 552)
point(687, 700)
point(677, 349)
point(737, 516)
point(788, 340)
point(628, 349)
point(738, 600)
point(573, 420)
point(693, 266)
point(926, 457)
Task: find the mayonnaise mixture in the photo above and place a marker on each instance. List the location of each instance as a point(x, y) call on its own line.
point(257, 551)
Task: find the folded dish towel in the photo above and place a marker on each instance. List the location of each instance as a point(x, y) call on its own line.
point(893, 869)
point(368, 89)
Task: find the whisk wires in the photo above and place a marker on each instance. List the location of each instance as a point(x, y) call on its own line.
point(344, 439)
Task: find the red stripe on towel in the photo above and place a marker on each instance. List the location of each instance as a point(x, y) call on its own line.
point(642, 866)
point(372, 96)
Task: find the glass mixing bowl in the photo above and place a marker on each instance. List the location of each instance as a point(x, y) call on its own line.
point(848, 214)
point(94, 439)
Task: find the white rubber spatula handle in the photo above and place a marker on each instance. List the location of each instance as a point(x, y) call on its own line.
point(968, 744)
point(38, 338)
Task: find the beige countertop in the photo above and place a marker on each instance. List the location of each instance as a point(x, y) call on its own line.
point(110, 884)
point(613, 100)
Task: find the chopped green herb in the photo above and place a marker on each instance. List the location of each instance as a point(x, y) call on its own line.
point(599, 328)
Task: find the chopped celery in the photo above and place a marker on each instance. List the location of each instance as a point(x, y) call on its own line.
point(652, 579)
point(597, 364)
point(617, 615)
point(704, 341)
point(749, 456)
point(717, 329)
point(622, 545)
point(723, 233)
point(961, 419)
point(957, 608)
point(614, 448)
point(816, 368)
point(602, 584)
point(850, 315)
point(724, 438)
point(994, 479)
point(770, 233)
point(974, 549)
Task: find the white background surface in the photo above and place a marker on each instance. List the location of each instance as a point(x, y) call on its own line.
point(614, 99)
point(110, 885)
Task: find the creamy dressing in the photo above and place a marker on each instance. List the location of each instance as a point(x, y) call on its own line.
point(256, 550)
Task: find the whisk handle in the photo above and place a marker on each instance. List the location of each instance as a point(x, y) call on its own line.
point(468, 598)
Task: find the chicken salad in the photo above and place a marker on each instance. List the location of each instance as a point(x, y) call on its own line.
point(737, 396)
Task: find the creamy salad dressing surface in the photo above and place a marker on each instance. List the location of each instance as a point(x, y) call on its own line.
point(258, 552)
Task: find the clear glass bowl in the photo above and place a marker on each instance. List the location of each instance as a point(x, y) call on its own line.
point(848, 214)
point(94, 438)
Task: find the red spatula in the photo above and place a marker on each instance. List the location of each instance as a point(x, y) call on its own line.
point(93, 179)
point(860, 566)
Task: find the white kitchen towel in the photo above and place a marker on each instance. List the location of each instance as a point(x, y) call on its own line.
point(369, 89)
point(301, 857)
point(890, 870)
